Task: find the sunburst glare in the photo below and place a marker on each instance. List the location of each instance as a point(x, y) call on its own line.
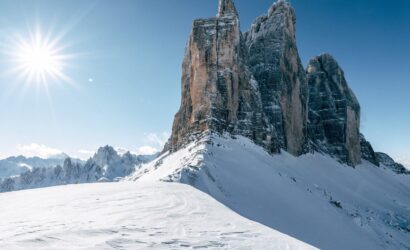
point(40, 59)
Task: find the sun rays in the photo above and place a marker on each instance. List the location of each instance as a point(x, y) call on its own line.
point(36, 61)
point(40, 59)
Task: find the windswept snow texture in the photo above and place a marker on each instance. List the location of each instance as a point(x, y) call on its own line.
point(312, 198)
point(129, 215)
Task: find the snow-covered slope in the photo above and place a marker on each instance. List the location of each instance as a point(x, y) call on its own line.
point(129, 215)
point(312, 198)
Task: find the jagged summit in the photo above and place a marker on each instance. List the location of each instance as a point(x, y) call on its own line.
point(254, 84)
point(229, 85)
point(334, 112)
point(105, 155)
point(274, 61)
point(326, 64)
point(226, 7)
point(105, 166)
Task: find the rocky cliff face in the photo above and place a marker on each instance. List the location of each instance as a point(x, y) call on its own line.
point(276, 66)
point(367, 151)
point(334, 112)
point(228, 85)
point(388, 162)
point(218, 90)
point(254, 84)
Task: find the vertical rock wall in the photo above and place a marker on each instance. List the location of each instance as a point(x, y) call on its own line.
point(254, 84)
point(275, 63)
point(334, 112)
point(218, 90)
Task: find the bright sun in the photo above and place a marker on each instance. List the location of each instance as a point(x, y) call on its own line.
point(40, 59)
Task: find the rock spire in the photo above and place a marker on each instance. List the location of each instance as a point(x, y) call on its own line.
point(253, 84)
point(334, 115)
point(226, 7)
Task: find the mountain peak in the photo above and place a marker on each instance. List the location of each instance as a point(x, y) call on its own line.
point(226, 7)
point(254, 84)
point(106, 150)
point(105, 155)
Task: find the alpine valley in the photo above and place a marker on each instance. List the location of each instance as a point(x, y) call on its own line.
point(263, 154)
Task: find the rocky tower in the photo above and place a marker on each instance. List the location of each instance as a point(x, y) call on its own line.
point(254, 84)
point(334, 115)
point(276, 66)
point(226, 7)
point(218, 91)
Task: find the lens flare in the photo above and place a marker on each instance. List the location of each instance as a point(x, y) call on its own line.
point(40, 59)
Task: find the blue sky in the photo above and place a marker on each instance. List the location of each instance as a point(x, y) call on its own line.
point(133, 50)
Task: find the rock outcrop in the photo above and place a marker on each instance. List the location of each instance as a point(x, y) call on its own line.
point(367, 151)
point(274, 61)
point(227, 85)
point(218, 90)
point(334, 112)
point(388, 162)
point(253, 84)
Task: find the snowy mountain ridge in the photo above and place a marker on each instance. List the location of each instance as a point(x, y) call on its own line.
point(105, 166)
point(306, 197)
point(312, 198)
point(16, 165)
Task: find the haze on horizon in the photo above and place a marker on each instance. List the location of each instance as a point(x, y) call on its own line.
point(124, 60)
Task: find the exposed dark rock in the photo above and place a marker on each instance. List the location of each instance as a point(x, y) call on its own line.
point(276, 66)
point(226, 7)
point(254, 84)
point(367, 151)
point(334, 112)
point(222, 93)
point(387, 161)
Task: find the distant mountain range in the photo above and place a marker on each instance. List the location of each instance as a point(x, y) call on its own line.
point(16, 165)
point(17, 173)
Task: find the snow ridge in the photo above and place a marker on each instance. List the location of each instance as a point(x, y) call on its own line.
point(312, 197)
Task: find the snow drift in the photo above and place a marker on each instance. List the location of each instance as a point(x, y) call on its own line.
point(129, 215)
